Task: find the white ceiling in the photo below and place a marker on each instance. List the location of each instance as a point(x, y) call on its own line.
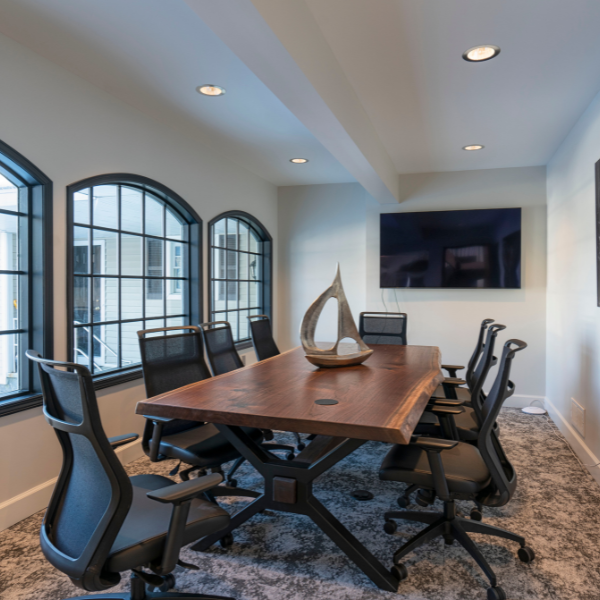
point(367, 89)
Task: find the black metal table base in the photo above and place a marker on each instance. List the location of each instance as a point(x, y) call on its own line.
point(288, 488)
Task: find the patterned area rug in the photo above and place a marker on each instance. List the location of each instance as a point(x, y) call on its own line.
point(278, 556)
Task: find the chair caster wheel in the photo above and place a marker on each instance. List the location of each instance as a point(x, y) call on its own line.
point(232, 483)
point(448, 539)
point(496, 593)
point(425, 498)
point(526, 554)
point(290, 456)
point(226, 540)
point(301, 447)
point(399, 571)
point(403, 502)
point(390, 527)
point(167, 584)
point(476, 515)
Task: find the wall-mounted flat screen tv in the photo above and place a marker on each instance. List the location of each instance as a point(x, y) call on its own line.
point(451, 249)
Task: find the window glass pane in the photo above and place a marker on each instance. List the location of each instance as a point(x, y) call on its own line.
point(154, 216)
point(219, 263)
point(232, 234)
point(243, 294)
point(105, 252)
point(81, 300)
point(232, 317)
point(154, 324)
point(81, 206)
point(9, 194)
point(105, 299)
point(154, 298)
point(9, 242)
point(219, 233)
point(81, 260)
point(243, 265)
point(9, 364)
point(254, 242)
point(130, 347)
point(218, 296)
point(154, 257)
point(105, 206)
point(106, 347)
point(131, 209)
point(232, 295)
point(175, 226)
point(254, 298)
point(131, 298)
point(174, 321)
point(81, 345)
point(243, 238)
point(176, 259)
point(175, 302)
point(9, 302)
point(253, 267)
point(231, 272)
point(243, 331)
point(131, 254)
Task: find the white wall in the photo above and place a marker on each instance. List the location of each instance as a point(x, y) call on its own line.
point(573, 324)
point(72, 130)
point(323, 224)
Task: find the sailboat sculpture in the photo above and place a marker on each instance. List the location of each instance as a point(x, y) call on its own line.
point(346, 329)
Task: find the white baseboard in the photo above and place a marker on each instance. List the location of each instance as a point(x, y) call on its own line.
point(521, 401)
point(576, 442)
point(35, 499)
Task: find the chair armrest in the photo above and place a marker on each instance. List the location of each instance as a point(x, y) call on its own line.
point(121, 440)
point(158, 419)
point(445, 402)
point(452, 369)
point(454, 381)
point(186, 491)
point(445, 410)
point(433, 444)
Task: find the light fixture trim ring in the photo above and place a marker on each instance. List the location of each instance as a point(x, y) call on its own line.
point(466, 53)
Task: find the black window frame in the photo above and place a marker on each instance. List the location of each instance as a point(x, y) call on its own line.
point(40, 313)
point(195, 281)
point(267, 257)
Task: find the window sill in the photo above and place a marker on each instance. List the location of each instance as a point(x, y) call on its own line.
point(243, 345)
point(20, 403)
point(103, 382)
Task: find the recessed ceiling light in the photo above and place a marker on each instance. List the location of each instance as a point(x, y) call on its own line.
point(473, 147)
point(210, 90)
point(298, 161)
point(481, 53)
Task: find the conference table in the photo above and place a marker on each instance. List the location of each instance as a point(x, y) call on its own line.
point(380, 400)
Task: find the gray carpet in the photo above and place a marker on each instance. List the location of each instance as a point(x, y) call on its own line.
point(284, 557)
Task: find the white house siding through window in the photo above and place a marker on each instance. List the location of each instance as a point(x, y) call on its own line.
point(132, 249)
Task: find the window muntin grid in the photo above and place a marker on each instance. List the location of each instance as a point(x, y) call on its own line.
point(123, 236)
point(15, 199)
point(237, 274)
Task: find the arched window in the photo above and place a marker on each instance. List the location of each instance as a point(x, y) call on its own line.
point(25, 277)
point(240, 271)
point(134, 263)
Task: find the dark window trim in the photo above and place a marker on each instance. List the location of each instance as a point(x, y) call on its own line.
point(41, 314)
point(195, 244)
point(267, 282)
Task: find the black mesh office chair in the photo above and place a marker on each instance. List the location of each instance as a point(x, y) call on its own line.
point(223, 358)
point(383, 328)
point(100, 522)
point(171, 358)
point(265, 347)
point(455, 470)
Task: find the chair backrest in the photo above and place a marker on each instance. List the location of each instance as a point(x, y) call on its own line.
point(262, 337)
point(504, 477)
point(93, 493)
point(383, 328)
point(476, 353)
point(171, 358)
point(220, 347)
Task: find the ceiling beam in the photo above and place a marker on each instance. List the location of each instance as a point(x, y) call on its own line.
point(283, 45)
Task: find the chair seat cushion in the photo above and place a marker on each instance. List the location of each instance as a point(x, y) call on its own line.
point(464, 467)
point(466, 423)
point(143, 533)
point(203, 446)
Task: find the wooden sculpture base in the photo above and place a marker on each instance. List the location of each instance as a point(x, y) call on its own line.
point(337, 360)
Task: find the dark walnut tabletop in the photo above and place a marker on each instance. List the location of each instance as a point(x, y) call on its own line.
point(380, 400)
